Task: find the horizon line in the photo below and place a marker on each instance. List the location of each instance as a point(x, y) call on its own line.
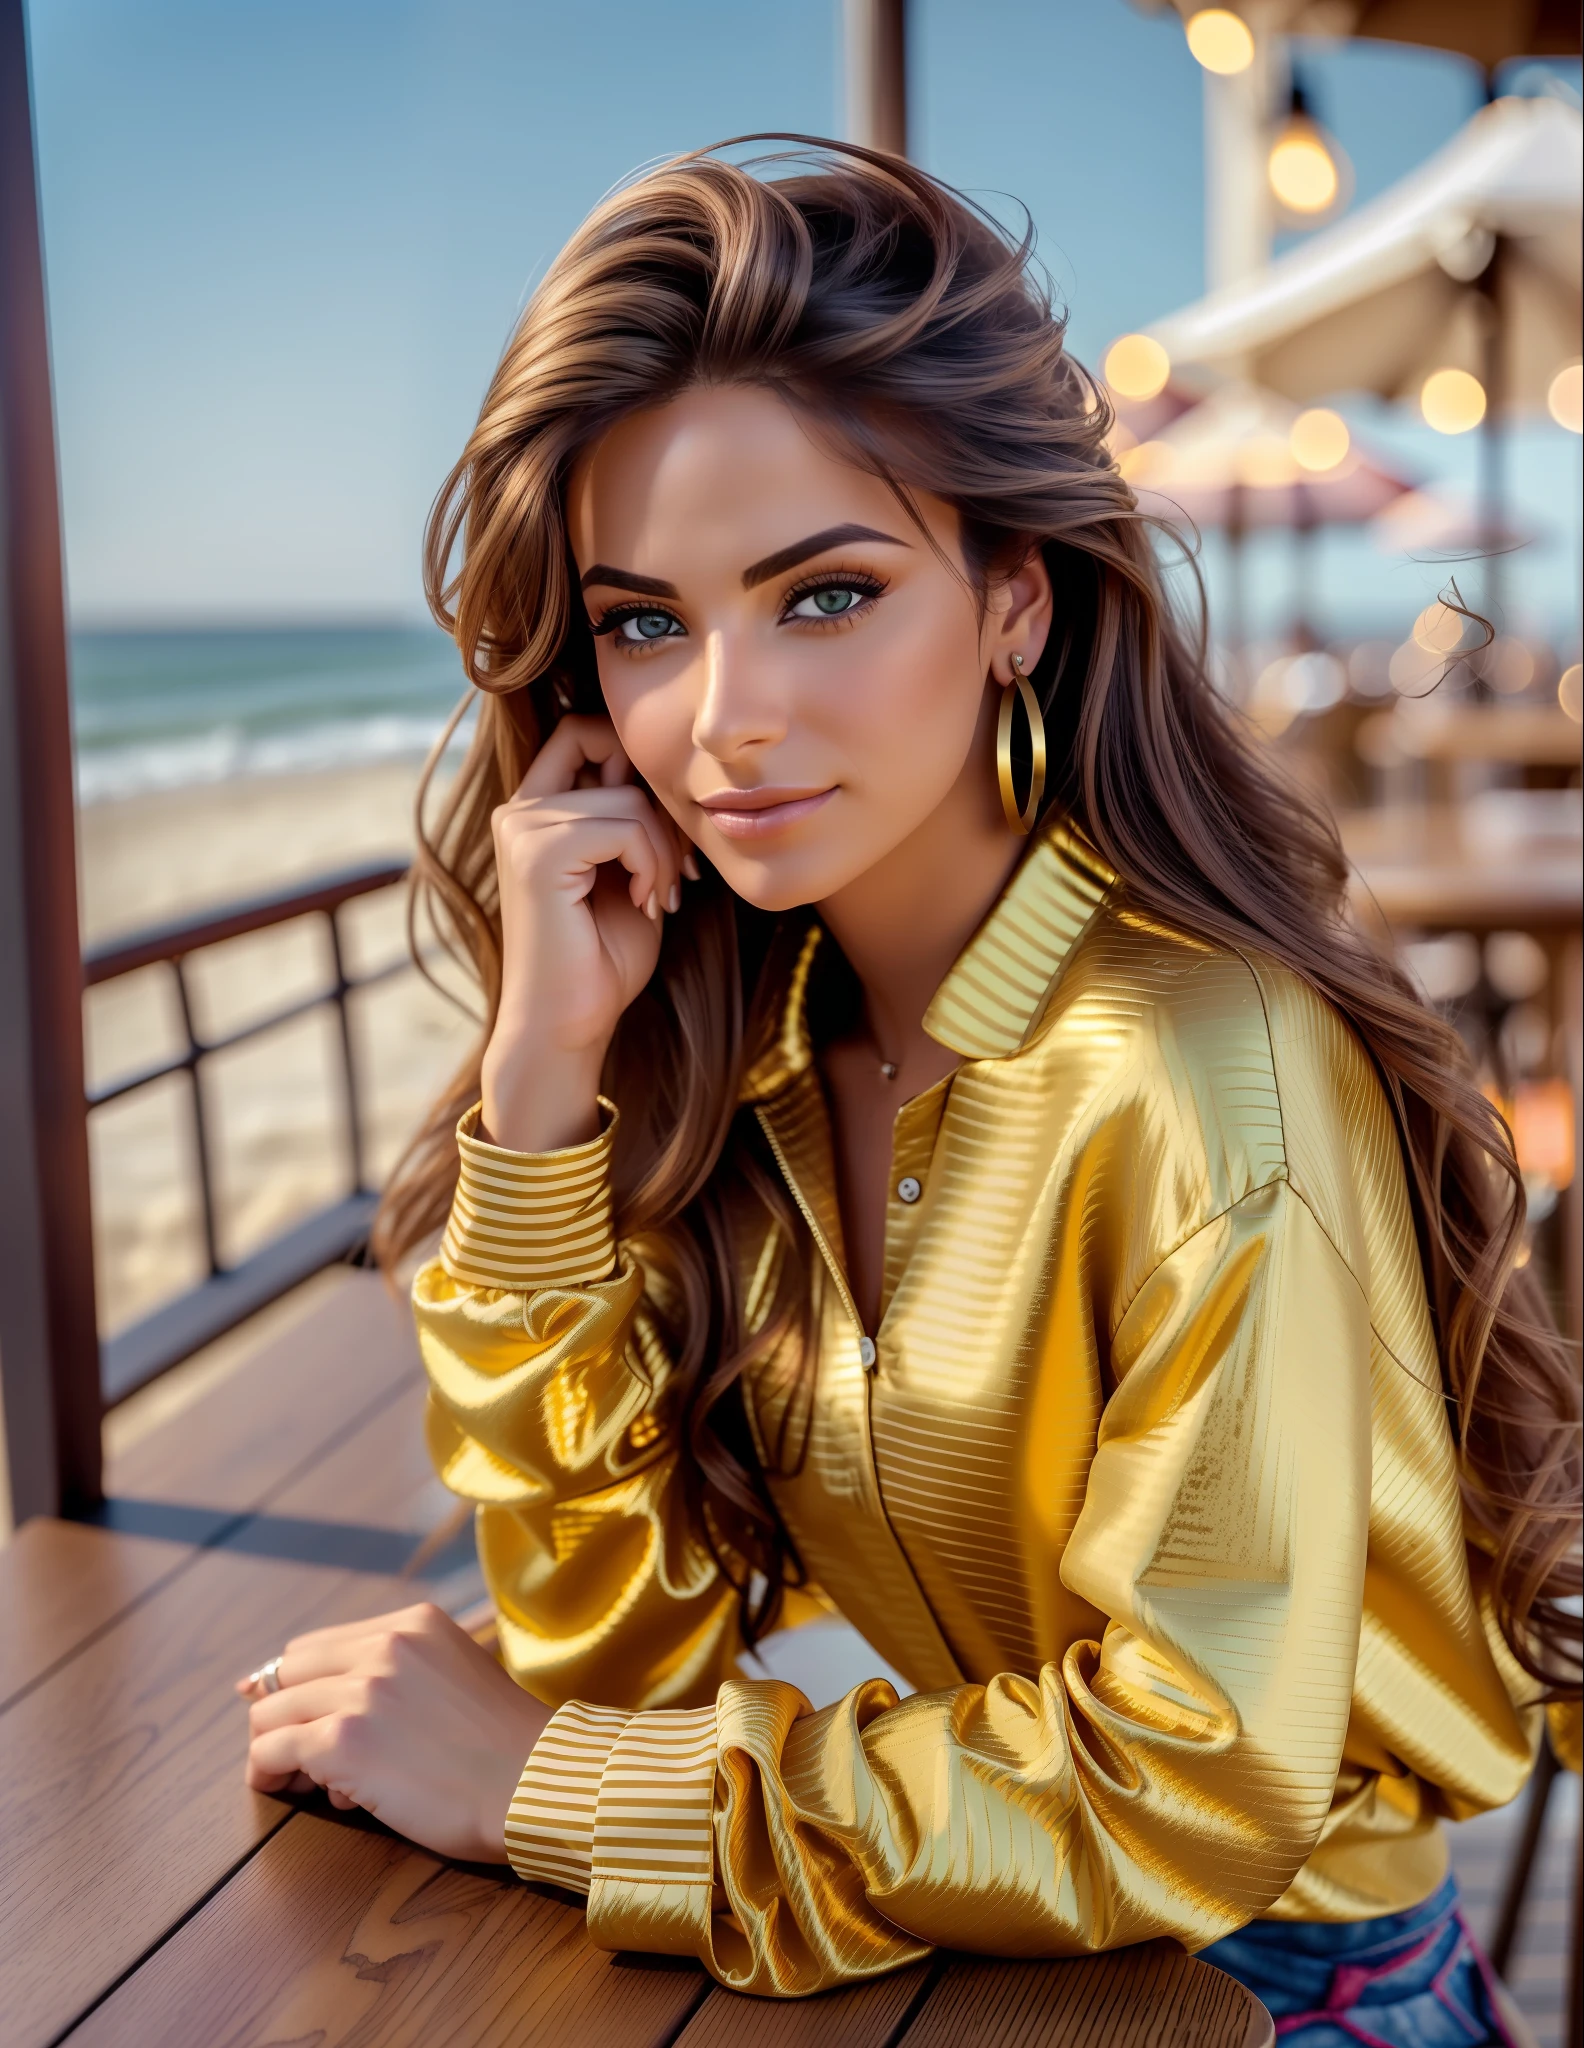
point(249, 622)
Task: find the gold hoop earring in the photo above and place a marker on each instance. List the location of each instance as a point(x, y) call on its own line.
point(1020, 821)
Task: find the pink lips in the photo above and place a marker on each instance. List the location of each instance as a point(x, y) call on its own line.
point(757, 813)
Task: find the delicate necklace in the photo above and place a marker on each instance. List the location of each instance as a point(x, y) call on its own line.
point(888, 1070)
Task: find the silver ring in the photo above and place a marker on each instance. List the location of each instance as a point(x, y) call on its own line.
point(268, 1675)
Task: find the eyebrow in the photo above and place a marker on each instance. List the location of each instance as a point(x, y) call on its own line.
point(757, 572)
point(816, 544)
point(628, 579)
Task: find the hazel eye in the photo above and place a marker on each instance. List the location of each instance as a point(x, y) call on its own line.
point(828, 602)
point(640, 628)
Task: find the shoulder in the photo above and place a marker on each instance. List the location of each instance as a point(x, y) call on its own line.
point(1184, 1046)
point(1344, 1151)
point(1255, 1074)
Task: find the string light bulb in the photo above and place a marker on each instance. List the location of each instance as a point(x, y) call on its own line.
point(1319, 440)
point(1137, 366)
point(1452, 401)
point(1220, 41)
point(1565, 399)
point(1439, 629)
point(1305, 168)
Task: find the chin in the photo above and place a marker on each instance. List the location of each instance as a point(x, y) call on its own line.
point(786, 883)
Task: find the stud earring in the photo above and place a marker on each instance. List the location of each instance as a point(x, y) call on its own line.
point(1020, 686)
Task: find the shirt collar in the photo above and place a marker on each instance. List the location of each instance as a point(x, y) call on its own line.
point(995, 994)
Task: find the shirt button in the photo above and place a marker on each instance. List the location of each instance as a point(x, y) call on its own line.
point(908, 1189)
point(867, 1353)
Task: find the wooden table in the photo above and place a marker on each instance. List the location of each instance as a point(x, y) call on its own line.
point(1434, 728)
point(147, 1898)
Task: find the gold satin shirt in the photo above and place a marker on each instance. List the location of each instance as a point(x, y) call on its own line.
point(1149, 1490)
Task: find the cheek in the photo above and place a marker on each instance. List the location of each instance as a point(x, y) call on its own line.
point(652, 712)
point(909, 700)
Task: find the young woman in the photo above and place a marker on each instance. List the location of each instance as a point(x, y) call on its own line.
point(939, 1151)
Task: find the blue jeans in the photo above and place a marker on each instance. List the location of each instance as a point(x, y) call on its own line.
point(1408, 1980)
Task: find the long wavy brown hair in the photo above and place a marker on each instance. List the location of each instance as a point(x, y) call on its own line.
point(897, 318)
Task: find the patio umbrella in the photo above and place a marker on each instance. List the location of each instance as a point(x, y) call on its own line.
point(1445, 524)
point(1383, 298)
point(1140, 419)
point(1492, 32)
point(1233, 463)
point(1470, 264)
point(1489, 31)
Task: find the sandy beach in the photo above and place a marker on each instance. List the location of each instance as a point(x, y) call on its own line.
point(275, 1105)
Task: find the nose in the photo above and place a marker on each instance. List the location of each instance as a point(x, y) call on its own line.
point(736, 712)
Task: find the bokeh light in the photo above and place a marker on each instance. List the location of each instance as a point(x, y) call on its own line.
point(1368, 674)
point(1452, 401)
point(1524, 1036)
point(1319, 439)
point(1516, 965)
point(1414, 669)
point(1303, 172)
point(1296, 686)
point(1570, 692)
point(1447, 968)
point(1137, 366)
point(1439, 630)
point(1138, 462)
point(1266, 462)
point(1543, 1122)
point(1566, 398)
point(1221, 41)
point(1508, 666)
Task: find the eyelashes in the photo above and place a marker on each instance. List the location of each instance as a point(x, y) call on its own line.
point(621, 615)
point(865, 586)
point(654, 623)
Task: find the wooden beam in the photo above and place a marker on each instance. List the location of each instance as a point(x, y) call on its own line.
point(49, 1345)
point(876, 51)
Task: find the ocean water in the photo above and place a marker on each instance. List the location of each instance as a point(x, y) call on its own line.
point(159, 710)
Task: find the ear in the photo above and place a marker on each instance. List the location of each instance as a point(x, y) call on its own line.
point(1018, 617)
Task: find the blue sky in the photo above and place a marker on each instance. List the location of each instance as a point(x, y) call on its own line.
point(286, 241)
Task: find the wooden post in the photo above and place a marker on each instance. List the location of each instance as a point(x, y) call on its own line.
point(876, 39)
point(1240, 223)
point(1493, 445)
point(1572, 1010)
point(49, 1344)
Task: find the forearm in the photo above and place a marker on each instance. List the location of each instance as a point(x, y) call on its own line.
point(538, 1098)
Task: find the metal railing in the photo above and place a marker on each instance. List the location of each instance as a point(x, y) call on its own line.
point(229, 1293)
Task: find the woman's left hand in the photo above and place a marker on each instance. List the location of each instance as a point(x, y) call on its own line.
point(406, 1716)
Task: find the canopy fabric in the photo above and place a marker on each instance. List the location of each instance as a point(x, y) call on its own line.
point(1142, 418)
point(1229, 462)
point(1384, 297)
point(1489, 31)
point(1444, 523)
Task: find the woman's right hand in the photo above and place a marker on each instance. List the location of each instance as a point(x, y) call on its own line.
point(588, 869)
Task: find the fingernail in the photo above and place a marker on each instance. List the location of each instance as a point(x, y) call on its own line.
point(652, 907)
point(690, 866)
point(674, 900)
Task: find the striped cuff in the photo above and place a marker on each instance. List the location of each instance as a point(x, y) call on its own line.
point(521, 1220)
point(550, 1822)
point(655, 1820)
